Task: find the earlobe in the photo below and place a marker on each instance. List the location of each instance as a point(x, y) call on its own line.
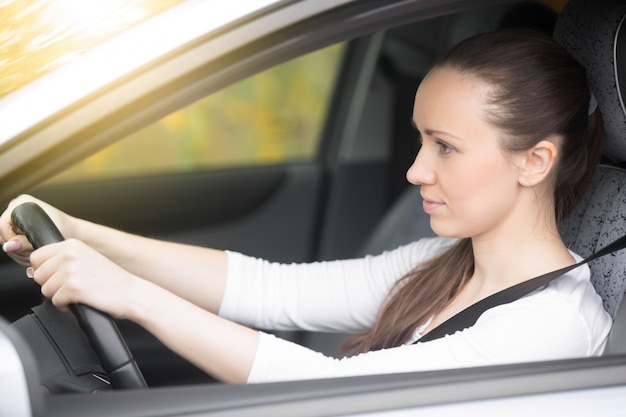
point(537, 163)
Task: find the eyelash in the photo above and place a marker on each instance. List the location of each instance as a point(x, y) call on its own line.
point(444, 148)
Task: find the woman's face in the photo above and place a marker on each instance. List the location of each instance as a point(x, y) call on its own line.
point(468, 182)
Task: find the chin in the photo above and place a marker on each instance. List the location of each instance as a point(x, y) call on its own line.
point(448, 230)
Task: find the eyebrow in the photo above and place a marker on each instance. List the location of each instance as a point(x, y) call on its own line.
point(433, 132)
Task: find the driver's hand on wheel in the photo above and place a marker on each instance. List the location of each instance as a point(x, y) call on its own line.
point(14, 243)
point(70, 272)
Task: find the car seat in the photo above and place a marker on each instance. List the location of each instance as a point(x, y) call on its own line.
point(593, 32)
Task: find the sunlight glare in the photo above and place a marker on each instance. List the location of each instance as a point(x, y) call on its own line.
point(79, 17)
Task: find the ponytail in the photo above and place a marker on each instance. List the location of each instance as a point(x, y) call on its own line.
point(575, 174)
point(416, 297)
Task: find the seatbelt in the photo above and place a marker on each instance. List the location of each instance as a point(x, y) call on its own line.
point(468, 317)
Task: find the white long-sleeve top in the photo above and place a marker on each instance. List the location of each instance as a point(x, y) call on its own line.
point(564, 319)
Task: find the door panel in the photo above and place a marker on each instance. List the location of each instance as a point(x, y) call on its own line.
point(266, 211)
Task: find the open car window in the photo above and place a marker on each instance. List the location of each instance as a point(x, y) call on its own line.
point(273, 117)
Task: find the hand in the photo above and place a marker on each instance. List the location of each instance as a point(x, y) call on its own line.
point(15, 244)
point(70, 272)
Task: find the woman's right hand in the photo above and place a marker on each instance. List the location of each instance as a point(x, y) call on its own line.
point(13, 242)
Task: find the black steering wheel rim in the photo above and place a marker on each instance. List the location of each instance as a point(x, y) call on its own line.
point(100, 329)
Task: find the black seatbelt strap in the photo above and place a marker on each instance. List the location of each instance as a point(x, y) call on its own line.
point(468, 317)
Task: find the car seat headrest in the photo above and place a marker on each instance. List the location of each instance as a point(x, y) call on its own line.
point(593, 32)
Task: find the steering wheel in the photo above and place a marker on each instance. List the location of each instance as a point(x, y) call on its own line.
point(100, 329)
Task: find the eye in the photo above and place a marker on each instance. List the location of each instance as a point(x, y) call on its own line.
point(444, 148)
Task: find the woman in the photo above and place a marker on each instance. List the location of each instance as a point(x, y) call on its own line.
point(510, 139)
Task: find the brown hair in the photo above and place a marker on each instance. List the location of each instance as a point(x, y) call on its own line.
point(538, 91)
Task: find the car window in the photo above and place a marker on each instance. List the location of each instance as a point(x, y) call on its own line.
point(272, 117)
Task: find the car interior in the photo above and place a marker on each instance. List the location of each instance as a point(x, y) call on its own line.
point(353, 199)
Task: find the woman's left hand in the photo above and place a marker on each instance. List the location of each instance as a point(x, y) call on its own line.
point(71, 272)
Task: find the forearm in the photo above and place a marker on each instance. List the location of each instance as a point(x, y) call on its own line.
point(220, 347)
point(193, 273)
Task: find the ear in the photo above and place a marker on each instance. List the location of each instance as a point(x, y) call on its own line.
point(536, 163)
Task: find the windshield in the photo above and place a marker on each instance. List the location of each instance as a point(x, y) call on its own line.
point(38, 36)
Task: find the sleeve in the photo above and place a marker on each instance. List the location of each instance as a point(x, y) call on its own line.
point(335, 296)
point(530, 329)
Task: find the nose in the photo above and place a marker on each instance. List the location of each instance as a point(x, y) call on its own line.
point(421, 172)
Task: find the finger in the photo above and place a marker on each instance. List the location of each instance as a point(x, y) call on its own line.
point(48, 288)
point(61, 301)
point(22, 259)
point(63, 289)
point(48, 279)
point(7, 231)
point(46, 261)
point(54, 268)
point(61, 292)
point(6, 228)
point(43, 254)
point(12, 245)
point(17, 243)
point(61, 305)
point(19, 249)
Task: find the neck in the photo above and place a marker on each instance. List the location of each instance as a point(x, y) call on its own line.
point(517, 253)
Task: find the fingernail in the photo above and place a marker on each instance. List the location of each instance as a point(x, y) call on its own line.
point(30, 273)
point(11, 246)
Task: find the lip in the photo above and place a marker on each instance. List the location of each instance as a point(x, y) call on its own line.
point(431, 206)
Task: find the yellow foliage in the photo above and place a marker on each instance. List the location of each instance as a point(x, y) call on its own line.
point(274, 116)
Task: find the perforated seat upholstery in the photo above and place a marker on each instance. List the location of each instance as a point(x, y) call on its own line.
point(597, 221)
point(589, 30)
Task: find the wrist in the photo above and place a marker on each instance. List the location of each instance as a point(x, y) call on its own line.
point(76, 228)
point(145, 298)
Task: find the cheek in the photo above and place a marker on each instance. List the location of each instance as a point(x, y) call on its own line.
point(472, 181)
point(478, 197)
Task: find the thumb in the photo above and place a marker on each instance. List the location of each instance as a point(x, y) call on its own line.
point(19, 249)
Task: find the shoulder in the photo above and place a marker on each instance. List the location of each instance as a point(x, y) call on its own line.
point(566, 315)
point(575, 291)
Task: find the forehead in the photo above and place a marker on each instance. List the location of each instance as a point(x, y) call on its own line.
point(448, 101)
point(449, 91)
point(450, 86)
